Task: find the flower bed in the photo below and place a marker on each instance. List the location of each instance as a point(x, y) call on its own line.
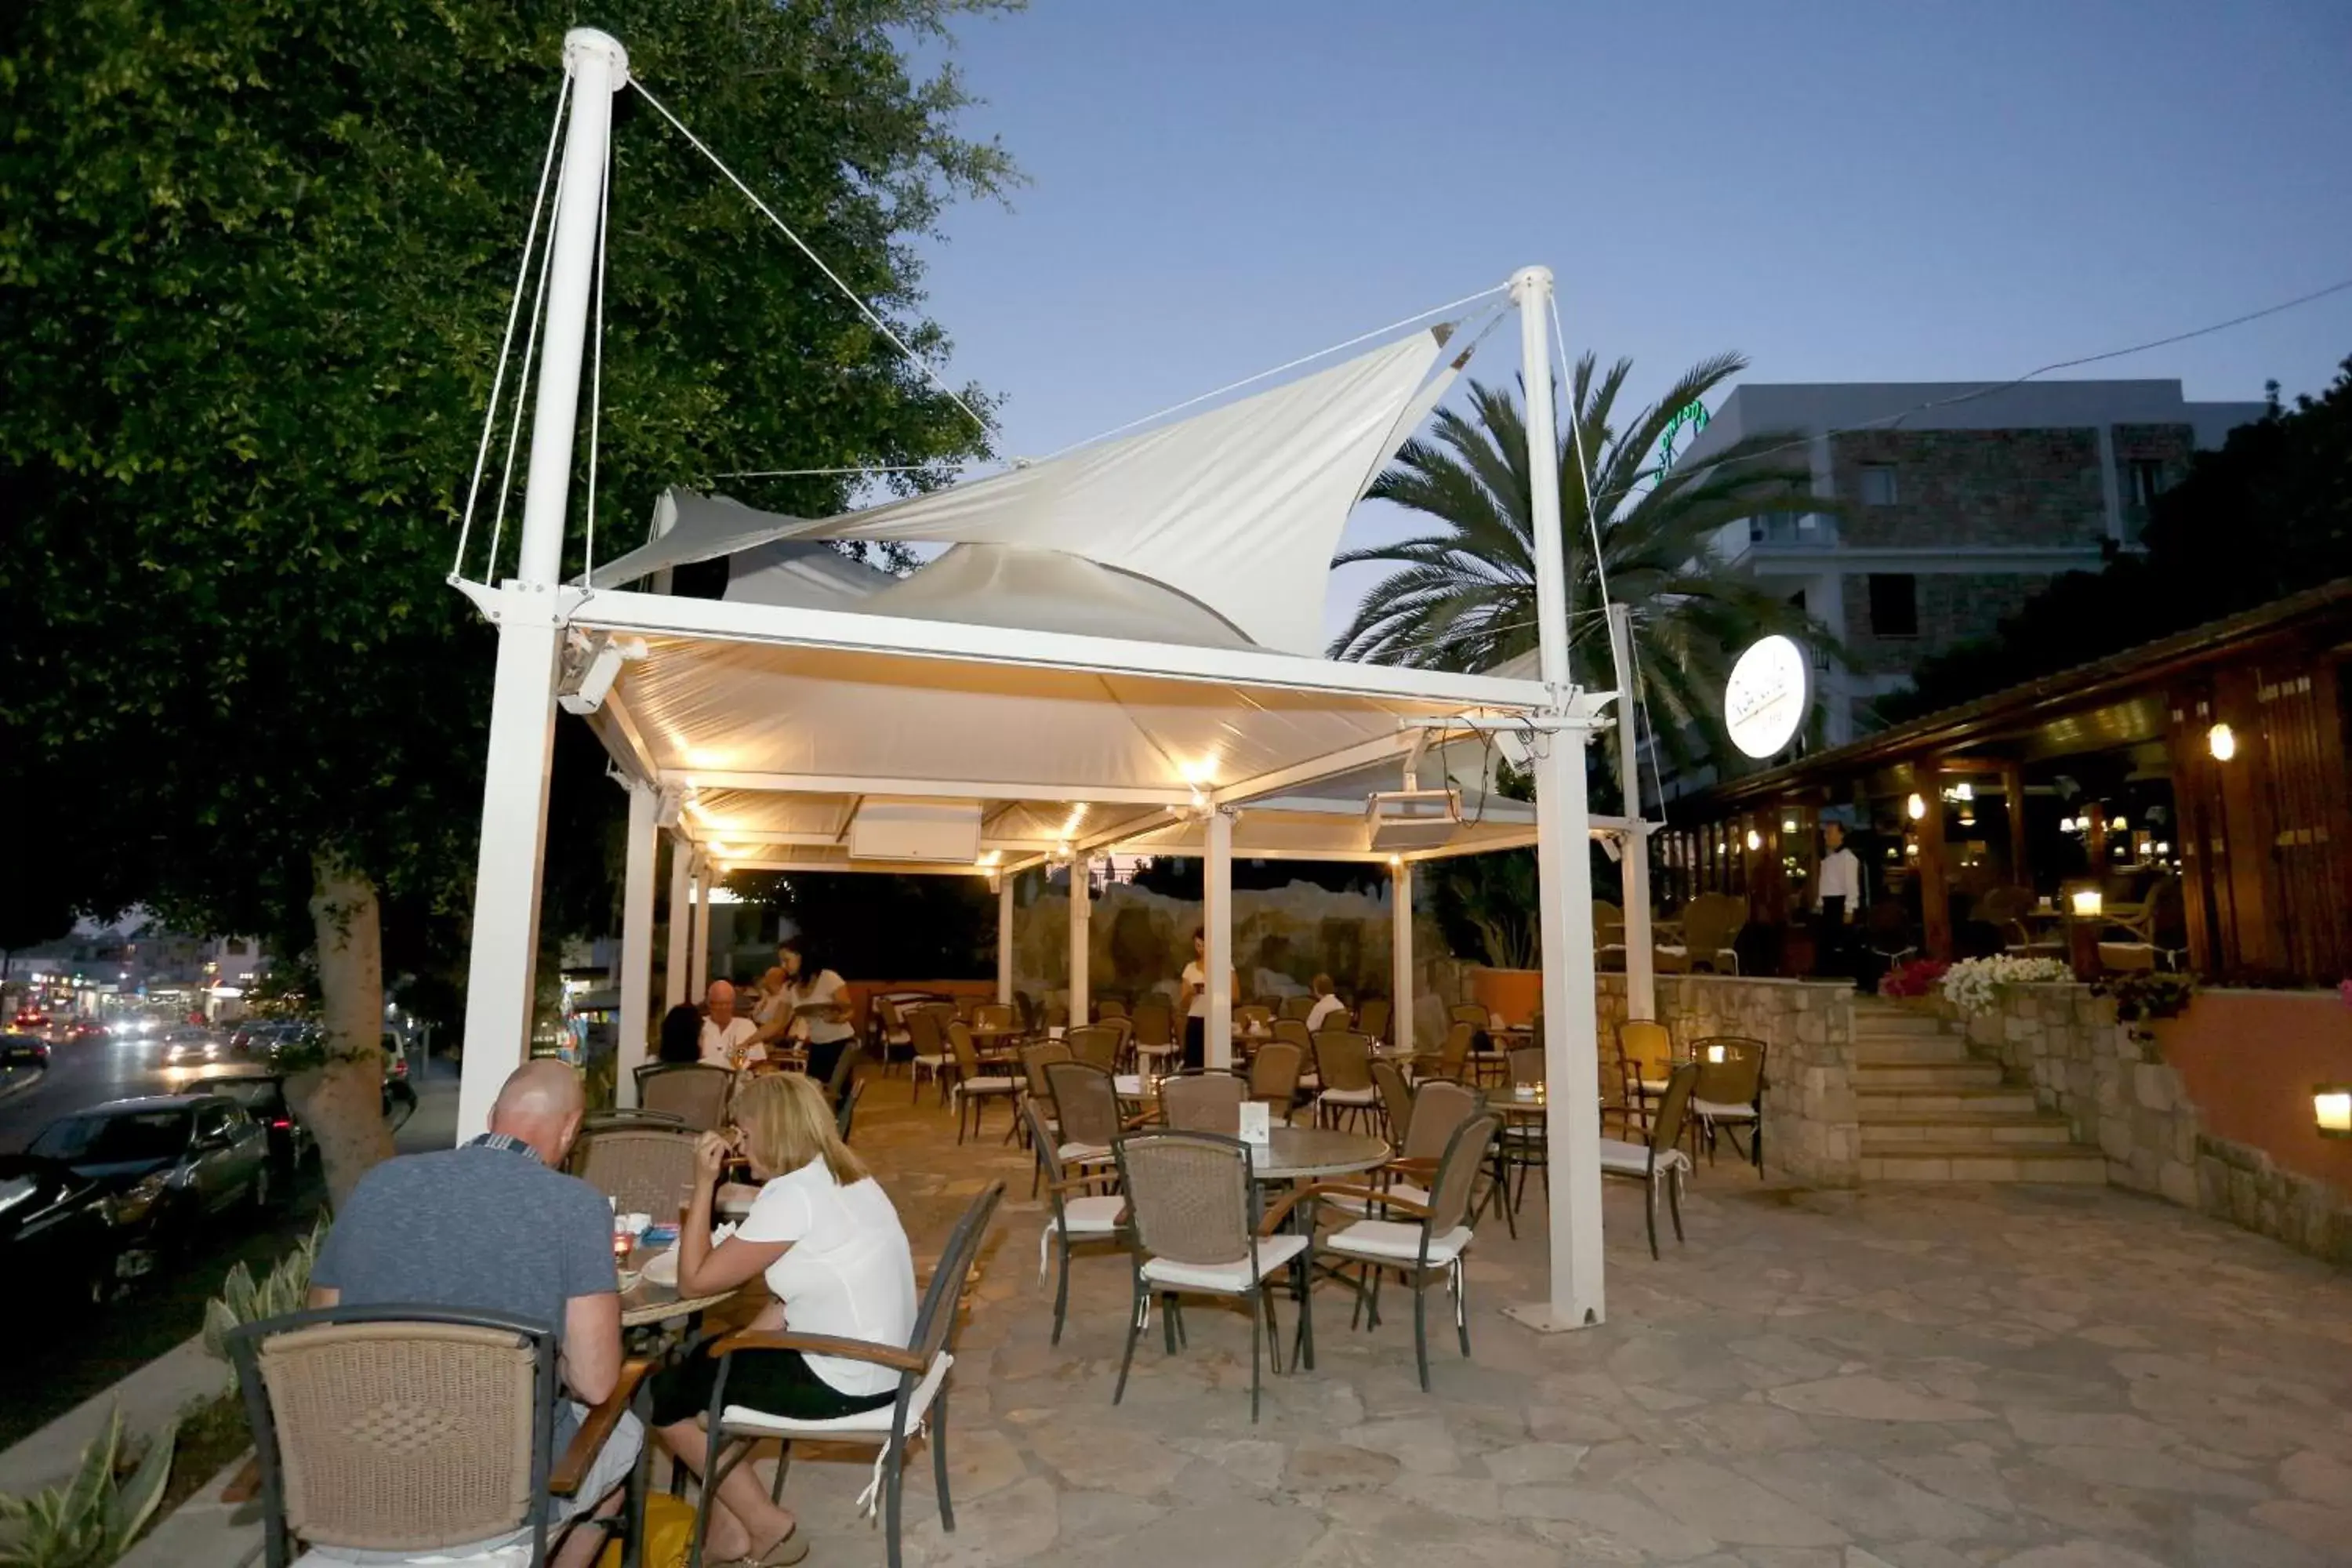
point(1974, 985)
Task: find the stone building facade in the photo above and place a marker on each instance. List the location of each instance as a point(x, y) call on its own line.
point(1952, 506)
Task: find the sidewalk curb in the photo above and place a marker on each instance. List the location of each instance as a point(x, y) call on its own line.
point(202, 1533)
point(31, 1081)
point(150, 1396)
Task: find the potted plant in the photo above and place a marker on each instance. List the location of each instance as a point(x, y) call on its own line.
point(1918, 984)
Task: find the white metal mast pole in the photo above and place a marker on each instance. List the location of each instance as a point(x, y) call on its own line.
point(1564, 869)
point(1640, 957)
point(1400, 954)
point(1004, 936)
point(501, 971)
point(681, 922)
point(1081, 896)
point(698, 981)
point(636, 941)
point(1217, 931)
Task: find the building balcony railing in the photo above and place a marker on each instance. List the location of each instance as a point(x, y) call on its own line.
point(1792, 530)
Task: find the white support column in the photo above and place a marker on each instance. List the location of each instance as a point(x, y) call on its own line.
point(1401, 954)
point(1081, 919)
point(636, 941)
point(1004, 937)
point(1564, 874)
point(1641, 954)
point(502, 968)
point(682, 922)
point(699, 982)
point(1217, 922)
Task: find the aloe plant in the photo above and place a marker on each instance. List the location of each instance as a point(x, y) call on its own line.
point(241, 1302)
point(92, 1519)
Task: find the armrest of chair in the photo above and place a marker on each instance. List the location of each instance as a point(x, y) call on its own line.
point(571, 1467)
point(1414, 1167)
point(891, 1356)
point(1381, 1197)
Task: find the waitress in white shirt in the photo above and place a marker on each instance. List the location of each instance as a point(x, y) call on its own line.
point(828, 1240)
point(815, 1006)
point(1840, 880)
point(1194, 995)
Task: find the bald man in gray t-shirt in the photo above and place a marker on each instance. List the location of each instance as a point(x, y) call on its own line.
point(494, 1227)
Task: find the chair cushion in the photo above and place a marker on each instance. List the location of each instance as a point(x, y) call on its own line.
point(1226, 1279)
point(1394, 1239)
point(1404, 1190)
point(1622, 1159)
point(987, 1086)
point(1349, 1097)
point(1084, 1153)
point(1723, 1110)
point(865, 1423)
point(1092, 1216)
point(1128, 1085)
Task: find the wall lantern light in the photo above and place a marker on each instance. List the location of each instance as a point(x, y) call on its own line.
point(1755, 840)
point(1917, 805)
point(2222, 742)
point(2331, 1108)
point(1788, 824)
point(2088, 903)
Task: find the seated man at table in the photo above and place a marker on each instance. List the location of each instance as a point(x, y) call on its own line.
point(493, 1225)
point(729, 1039)
point(1327, 1007)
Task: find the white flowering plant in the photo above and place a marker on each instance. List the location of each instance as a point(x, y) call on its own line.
point(1973, 984)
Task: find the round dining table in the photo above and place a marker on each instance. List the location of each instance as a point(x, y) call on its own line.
point(643, 1303)
point(1316, 1153)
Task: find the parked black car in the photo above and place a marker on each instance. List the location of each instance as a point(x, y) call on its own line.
point(58, 1243)
point(19, 1050)
point(263, 1097)
point(165, 1161)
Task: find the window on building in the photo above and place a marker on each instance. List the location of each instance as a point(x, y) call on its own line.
point(1878, 484)
point(2146, 481)
point(1894, 605)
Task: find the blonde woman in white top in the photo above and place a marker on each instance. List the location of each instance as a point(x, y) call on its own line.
point(827, 1237)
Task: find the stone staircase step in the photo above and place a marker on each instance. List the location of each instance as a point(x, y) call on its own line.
point(1996, 1100)
point(1875, 1078)
point(1870, 1020)
point(1887, 1050)
point(1900, 1133)
point(1961, 1162)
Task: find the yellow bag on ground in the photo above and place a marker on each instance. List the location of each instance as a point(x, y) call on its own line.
point(669, 1531)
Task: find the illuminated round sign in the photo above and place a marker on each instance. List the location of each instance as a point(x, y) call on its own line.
point(1764, 701)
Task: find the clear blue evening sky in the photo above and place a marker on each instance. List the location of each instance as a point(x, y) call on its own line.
point(1843, 192)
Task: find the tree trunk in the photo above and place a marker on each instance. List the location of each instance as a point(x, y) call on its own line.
point(340, 1099)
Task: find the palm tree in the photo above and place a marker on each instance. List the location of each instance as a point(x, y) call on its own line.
point(1464, 596)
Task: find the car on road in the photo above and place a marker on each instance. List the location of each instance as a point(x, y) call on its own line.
point(166, 1161)
point(262, 1095)
point(21, 1049)
point(82, 1029)
point(57, 1240)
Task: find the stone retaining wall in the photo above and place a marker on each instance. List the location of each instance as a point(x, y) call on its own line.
point(1812, 1129)
point(2119, 1093)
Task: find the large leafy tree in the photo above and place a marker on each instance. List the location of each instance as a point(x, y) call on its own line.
point(255, 262)
point(1462, 593)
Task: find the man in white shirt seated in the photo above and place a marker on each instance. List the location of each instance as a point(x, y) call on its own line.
point(727, 1041)
point(1328, 1012)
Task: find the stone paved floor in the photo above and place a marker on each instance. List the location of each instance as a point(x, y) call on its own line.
point(1924, 1377)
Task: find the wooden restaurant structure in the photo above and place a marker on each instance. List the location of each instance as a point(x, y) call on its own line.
point(2184, 804)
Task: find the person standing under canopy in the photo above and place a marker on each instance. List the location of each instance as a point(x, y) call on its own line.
point(1194, 997)
point(1837, 898)
point(815, 1007)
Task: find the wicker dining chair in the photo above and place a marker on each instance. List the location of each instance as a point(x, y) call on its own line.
point(891, 1035)
point(1452, 1057)
point(927, 1025)
point(1295, 1007)
point(1343, 1059)
point(1033, 1086)
point(1427, 1243)
point(1274, 1076)
point(694, 1093)
point(1372, 1018)
point(1646, 1050)
point(848, 1114)
point(418, 1430)
point(1437, 1108)
point(1656, 1162)
point(1396, 1097)
point(995, 1015)
point(1293, 1032)
point(1730, 1094)
point(1470, 1012)
point(643, 1169)
point(1096, 1045)
point(1080, 1214)
point(1154, 1024)
point(1109, 1007)
point(922, 1365)
point(1526, 1067)
point(1204, 1102)
point(1195, 1226)
point(1249, 1013)
point(1085, 1112)
point(975, 1086)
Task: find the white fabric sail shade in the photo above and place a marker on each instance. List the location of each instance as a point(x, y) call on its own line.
point(1238, 511)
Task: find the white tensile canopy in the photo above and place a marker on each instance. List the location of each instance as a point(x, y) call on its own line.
point(1120, 642)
